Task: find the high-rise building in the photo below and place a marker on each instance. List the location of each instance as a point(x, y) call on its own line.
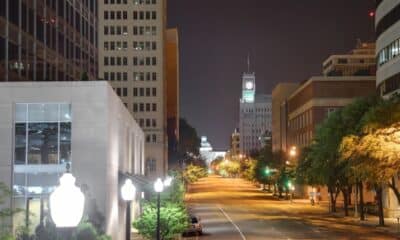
point(48, 40)
point(255, 115)
point(387, 25)
point(132, 59)
point(173, 84)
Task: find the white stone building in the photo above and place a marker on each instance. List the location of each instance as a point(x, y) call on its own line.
point(45, 125)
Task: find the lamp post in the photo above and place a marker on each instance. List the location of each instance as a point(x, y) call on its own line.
point(67, 204)
point(128, 193)
point(158, 188)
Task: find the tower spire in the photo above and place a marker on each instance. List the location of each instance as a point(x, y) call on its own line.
point(248, 62)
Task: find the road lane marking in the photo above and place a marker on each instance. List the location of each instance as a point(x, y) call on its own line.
point(234, 224)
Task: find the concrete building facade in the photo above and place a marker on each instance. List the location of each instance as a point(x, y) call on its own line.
point(387, 25)
point(132, 59)
point(173, 89)
point(279, 112)
point(255, 115)
point(48, 40)
point(44, 126)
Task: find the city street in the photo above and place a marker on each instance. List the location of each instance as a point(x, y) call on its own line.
point(235, 209)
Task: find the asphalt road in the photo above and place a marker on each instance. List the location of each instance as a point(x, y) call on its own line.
point(233, 209)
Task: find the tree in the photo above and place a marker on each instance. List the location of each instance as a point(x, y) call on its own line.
point(173, 221)
point(6, 214)
point(322, 159)
point(193, 173)
point(189, 141)
point(374, 152)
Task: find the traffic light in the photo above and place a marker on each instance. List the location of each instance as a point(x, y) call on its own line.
point(267, 171)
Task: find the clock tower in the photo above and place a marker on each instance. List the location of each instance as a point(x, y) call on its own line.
point(248, 87)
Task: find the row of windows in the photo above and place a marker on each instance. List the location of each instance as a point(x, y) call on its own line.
point(389, 20)
point(142, 92)
point(144, 61)
point(144, 107)
point(390, 85)
point(115, 61)
point(141, 76)
point(147, 123)
point(257, 110)
point(151, 138)
point(140, 46)
point(123, 61)
point(137, 92)
point(115, 1)
point(121, 92)
point(389, 52)
point(136, 2)
point(116, 76)
point(116, 30)
point(141, 2)
point(115, 46)
point(137, 76)
point(301, 121)
point(144, 15)
point(303, 139)
point(144, 30)
point(115, 15)
point(123, 45)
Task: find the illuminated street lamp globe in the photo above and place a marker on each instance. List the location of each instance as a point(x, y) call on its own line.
point(168, 181)
point(67, 203)
point(128, 190)
point(158, 185)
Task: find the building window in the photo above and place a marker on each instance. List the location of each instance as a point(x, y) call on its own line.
point(150, 166)
point(42, 133)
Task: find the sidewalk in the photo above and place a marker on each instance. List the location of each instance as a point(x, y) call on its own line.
point(392, 225)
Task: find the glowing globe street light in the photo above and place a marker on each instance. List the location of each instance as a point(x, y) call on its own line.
point(67, 203)
point(128, 194)
point(158, 188)
point(168, 181)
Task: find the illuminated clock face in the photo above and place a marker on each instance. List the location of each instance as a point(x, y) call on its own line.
point(249, 85)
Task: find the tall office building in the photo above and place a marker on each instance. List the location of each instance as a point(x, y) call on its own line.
point(387, 25)
point(255, 115)
point(48, 40)
point(131, 58)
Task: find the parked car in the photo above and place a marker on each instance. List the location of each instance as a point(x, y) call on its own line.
point(195, 226)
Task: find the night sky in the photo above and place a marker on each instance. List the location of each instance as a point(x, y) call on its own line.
point(287, 40)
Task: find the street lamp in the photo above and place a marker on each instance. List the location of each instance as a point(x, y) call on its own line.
point(128, 193)
point(66, 204)
point(158, 188)
point(168, 181)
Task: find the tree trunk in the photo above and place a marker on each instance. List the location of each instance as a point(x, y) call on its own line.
point(392, 185)
point(333, 196)
point(379, 191)
point(346, 201)
point(349, 196)
point(361, 202)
